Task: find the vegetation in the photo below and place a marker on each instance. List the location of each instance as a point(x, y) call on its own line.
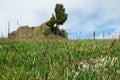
point(57, 19)
point(59, 59)
point(47, 28)
point(39, 32)
point(39, 53)
point(27, 32)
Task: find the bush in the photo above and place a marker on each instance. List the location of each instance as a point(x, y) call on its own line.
point(63, 33)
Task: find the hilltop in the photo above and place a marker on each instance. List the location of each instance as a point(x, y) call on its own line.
point(38, 32)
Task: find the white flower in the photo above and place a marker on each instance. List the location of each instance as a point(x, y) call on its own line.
point(85, 66)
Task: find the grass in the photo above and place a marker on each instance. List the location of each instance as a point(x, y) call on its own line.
point(59, 59)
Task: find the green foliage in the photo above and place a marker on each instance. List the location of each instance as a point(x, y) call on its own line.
point(51, 22)
point(60, 14)
point(22, 28)
point(58, 59)
point(58, 19)
point(63, 33)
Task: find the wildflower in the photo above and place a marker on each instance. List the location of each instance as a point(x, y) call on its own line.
point(36, 78)
point(114, 61)
point(79, 62)
point(85, 66)
point(109, 54)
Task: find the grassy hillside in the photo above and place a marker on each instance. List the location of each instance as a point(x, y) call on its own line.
point(39, 32)
point(59, 59)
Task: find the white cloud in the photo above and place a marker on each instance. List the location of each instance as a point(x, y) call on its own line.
point(35, 12)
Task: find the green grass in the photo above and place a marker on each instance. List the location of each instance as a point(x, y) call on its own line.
point(58, 60)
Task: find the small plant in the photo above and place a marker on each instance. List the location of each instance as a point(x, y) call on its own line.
point(111, 45)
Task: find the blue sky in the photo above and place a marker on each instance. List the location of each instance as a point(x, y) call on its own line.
point(84, 16)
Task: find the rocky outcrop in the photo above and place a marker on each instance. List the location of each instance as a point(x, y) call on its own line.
point(31, 32)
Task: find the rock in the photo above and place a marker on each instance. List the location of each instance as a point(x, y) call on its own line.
point(46, 30)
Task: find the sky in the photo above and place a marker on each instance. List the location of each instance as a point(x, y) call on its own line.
point(84, 16)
